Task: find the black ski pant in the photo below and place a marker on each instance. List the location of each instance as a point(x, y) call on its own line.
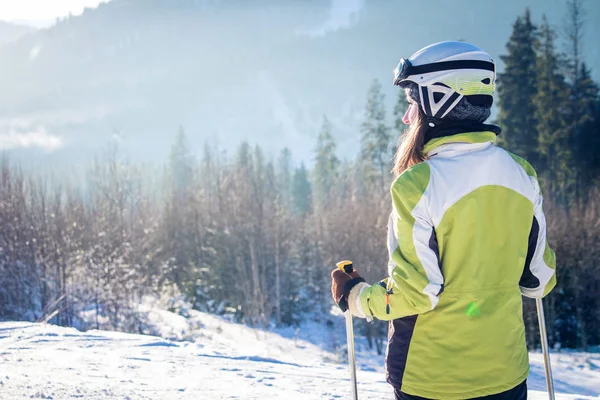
point(517, 393)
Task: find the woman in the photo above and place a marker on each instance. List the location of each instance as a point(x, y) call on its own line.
point(466, 238)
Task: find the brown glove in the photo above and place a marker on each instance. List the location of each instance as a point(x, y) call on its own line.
point(341, 284)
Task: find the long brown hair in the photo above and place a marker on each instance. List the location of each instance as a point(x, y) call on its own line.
point(410, 145)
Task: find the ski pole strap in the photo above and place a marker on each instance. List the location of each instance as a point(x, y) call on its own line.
point(347, 288)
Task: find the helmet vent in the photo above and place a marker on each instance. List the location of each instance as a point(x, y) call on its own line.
point(486, 81)
point(437, 97)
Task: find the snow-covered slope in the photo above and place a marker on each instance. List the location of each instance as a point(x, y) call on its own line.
point(225, 361)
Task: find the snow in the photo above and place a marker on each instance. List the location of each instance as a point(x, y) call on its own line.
point(219, 360)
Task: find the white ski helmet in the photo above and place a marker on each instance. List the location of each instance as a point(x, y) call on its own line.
point(446, 72)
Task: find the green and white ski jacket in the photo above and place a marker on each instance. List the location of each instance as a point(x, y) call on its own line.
point(467, 238)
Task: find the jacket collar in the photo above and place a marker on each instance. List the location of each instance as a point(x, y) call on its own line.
point(453, 136)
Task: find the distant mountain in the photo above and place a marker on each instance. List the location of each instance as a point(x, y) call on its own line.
point(10, 32)
point(227, 70)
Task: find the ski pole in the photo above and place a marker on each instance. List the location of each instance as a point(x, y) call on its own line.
point(347, 267)
point(544, 340)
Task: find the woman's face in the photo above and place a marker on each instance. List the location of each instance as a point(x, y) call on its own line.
point(411, 113)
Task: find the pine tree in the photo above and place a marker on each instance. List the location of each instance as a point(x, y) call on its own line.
point(326, 165)
point(284, 177)
point(574, 32)
point(583, 95)
point(399, 110)
point(375, 151)
point(593, 133)
point(301, 191)
point(551, 102)
point(516, 90)
point(587, 143)
point(574, 35)
point(180, 216)
point(181, 162)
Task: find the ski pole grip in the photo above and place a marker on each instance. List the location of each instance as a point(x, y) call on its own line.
point(345, 266)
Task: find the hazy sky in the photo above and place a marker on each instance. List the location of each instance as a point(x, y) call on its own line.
point(42, 12)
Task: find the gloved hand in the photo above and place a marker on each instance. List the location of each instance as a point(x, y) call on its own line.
point(341, 285)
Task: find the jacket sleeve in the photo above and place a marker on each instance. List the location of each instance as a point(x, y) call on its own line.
point(415, 280)
point(539, 272)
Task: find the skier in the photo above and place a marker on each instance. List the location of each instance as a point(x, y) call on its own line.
point(466, 238)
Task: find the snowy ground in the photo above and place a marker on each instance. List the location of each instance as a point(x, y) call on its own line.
point(224, 361)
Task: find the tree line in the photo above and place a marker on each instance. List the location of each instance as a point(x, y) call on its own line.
point(256, 236)
point(549, 110)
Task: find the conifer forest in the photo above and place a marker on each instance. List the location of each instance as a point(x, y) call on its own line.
point(235, 230)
